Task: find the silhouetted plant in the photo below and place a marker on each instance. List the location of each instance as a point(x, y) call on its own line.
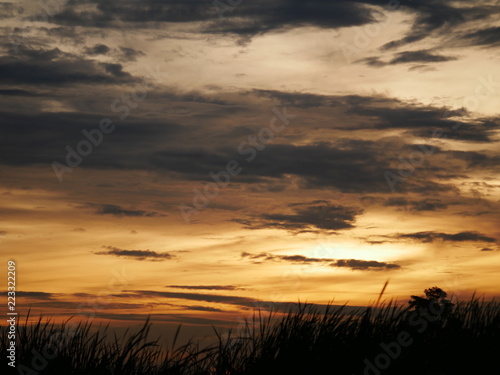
point(301, 341)
point(434, 295)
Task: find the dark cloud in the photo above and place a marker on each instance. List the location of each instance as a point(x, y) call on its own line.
point(422, 56)
point(438, 16)
point(407, 57)
point(250, 18)
point(245, 302)
point(206, 287)
point(41, 138)
point(172, 144)
point(354, 264)
point(428, 204)
point(343, 166)
point(456, 237)
point(297, 99)
point(35, 295)
point(475, 159)
point(98, 49)
point(373, 61)
point(488, 37)
point(17, 92)
point(53, 67)
point(391, 113)
point(340, 164)
point(322, 216)
point(115, 210)
point(130, 54)
point(213, 298)
point(136, 254)
point(247, 18)
point(202, 308)
point(9, 10)
point(168, 318)
point(365, 265)
point(300, 259)
point(84, 308)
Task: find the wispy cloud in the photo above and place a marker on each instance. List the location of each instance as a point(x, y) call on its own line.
point(354, 264)
point(319, 215)
point(206, 287)
point(487, 37)
point(116, 210)
point(148, 255)
point(453, 237)
point(408, 57)
point(365, 265)
point(44, 296)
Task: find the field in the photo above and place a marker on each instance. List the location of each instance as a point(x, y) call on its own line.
point(426, 338)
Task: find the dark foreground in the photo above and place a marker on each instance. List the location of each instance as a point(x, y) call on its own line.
point(426, 338)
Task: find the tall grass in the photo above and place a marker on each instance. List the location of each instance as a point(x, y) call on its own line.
point(301, 341)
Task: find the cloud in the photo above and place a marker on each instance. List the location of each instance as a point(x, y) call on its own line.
point(428, 204)
point(365, 265)
point(354, 264)
point(202, 308)
point(119, 211)
point(54, 67)
point(346, 164)
point(314, 217)
point(148, 255)
point(206, 287)
point(419, 56)
point(432, 17)
point(319, 165)
point(130, 54)
point(17, 92)
point(407, 57)
point(98, 49)
point(486, 249)
point(300, 259)
point(455, 237)
point(245, 302)
point(340, 164)
point(36, 295)
point(168, 318)
point(214, 298)
point(383, 113)
point(246, 19)
point(487, 37)
point(373, 61)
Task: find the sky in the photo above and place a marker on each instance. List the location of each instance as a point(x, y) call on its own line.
point(197, 160)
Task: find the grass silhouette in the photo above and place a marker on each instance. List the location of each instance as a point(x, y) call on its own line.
point(464, 340)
